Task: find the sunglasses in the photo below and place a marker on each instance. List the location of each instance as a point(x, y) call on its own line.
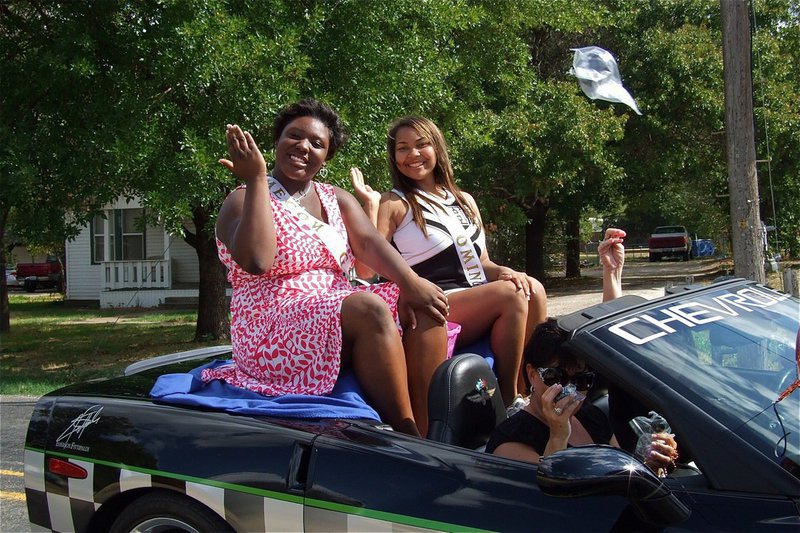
point(552, 375)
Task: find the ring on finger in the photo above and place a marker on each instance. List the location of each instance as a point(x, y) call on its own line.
point(558, 410)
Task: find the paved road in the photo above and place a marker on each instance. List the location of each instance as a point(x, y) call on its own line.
point(15, 411)
point(641, 278)
point(561, 303)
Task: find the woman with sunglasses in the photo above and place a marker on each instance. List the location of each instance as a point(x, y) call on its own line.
point(556, 415)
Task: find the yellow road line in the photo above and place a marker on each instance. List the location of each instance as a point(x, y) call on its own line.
point(14, 473)
point(8, 495)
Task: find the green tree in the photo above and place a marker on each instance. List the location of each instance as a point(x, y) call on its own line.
point(544, 144)
point(676, 154)
point(377, 61)
point(776, 52)
point(131, 97)
point(491, 74)
point(187, 69)
point(59, 107)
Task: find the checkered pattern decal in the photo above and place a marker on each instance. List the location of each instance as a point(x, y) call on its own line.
point(56, 504)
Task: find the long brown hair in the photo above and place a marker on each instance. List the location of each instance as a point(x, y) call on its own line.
point(442, 172)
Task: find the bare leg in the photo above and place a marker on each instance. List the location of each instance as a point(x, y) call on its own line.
point(372, 346)
point(502, 311)
point(426, 349)
point(537, 313)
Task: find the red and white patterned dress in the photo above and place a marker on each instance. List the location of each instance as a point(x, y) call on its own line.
point(286, 324)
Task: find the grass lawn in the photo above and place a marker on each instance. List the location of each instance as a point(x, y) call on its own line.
point(51, 345)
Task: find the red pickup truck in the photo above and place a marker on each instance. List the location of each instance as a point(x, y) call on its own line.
point(670, 241)
point(31, 276)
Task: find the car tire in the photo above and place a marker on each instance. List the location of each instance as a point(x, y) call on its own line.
point(30, 285)
point(685, 256)
point(168, 511)
point(653, 258)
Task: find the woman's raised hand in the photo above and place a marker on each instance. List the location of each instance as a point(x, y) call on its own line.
point(363, 192)
point(558, 416)
point(246, 162)
point(663, 453)
point(611, 249)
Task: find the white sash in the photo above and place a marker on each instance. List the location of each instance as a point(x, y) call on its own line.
point(453, 218)
point(311, 225)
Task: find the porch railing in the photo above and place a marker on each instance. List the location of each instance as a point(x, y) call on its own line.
point(146, 273)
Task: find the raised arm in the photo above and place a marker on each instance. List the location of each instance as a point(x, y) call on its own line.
point(372, 249)
point(382, 210)
point(245, 223)
point(369, 198)
point(612, 257)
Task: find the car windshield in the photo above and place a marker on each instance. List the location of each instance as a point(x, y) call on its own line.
point(731, 352)
point(669, 229)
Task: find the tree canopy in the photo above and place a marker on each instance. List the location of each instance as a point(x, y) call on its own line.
point(129, 97)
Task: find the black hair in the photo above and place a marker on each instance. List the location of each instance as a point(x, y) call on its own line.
point(545, 348)
point(310, 107)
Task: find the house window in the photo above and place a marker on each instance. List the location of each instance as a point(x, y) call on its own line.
point(118, 235)
point(132, 241)
point(98, 238)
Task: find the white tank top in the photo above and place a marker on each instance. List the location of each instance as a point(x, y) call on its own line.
point(435, 258)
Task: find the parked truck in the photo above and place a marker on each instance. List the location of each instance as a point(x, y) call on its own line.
point(48, 274)
point(668, 241)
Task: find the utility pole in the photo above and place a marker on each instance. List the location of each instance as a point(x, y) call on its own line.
point(747, 232)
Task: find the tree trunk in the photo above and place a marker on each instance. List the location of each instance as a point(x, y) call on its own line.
point(747, 232)
point(5, 310)
point(573, 244)
point(213, 320)
point(534, 239)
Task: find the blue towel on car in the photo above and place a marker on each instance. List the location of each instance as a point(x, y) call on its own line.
point(482, 347)
point(346, 400)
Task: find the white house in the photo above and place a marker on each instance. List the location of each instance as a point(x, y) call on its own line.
point(116, 262)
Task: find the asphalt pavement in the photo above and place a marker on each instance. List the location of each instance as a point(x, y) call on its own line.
point(15, 411)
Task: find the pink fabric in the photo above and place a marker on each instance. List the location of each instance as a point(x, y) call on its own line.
point(286, 324)
point(453, 330)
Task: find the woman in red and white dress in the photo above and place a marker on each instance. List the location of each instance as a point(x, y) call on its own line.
point(289, 242)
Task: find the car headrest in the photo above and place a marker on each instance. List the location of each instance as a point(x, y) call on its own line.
point(464, 402)
point(721, 336)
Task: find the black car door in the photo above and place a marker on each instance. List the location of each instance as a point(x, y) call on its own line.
point(364, 478)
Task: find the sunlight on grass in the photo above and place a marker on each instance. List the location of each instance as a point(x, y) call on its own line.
point(51, 344)
point(54, 366)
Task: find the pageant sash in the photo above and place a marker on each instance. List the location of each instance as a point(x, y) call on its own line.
point(454, 218)
point(311, 225)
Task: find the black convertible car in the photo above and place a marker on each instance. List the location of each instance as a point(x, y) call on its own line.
point(717, 362)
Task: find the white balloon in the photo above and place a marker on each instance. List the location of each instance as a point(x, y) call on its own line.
point(598, 76)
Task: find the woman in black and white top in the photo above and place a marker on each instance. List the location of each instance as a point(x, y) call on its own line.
point(437, 228)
